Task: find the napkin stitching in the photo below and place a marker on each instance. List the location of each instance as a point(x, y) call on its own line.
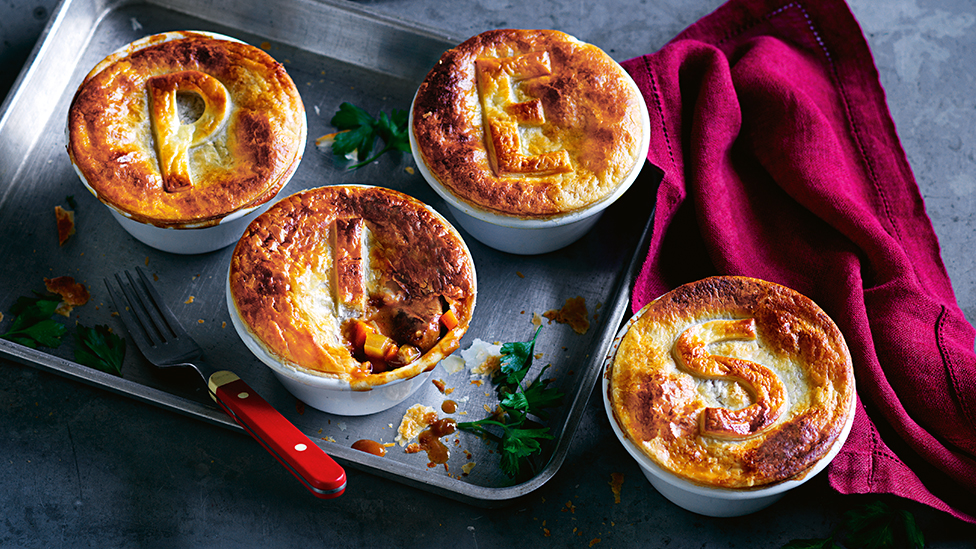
point(768, 16)
point(657, 106)
point(868, 161)
point(949, 365)
point(879, 451)
point(854, 126)
point(746, 26)
point(876, 454)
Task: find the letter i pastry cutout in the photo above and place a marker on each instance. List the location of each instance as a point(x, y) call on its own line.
point(767, 391)
point(174, 139)
point(347, 238)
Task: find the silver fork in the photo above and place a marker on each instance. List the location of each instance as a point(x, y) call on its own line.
point(163, 341)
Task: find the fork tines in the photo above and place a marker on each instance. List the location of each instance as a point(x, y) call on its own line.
point(146, 317)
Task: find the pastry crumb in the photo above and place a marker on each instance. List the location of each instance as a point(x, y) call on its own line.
point(66, 224)
point(417, 418)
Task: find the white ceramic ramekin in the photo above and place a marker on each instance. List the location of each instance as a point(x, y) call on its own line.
point(528, 236)
point(188, 238)
point(707, 500)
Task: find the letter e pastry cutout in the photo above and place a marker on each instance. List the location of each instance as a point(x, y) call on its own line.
point(503, 115)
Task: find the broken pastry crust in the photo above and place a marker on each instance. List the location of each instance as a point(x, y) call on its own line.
point(732, 382)
point(320, 261)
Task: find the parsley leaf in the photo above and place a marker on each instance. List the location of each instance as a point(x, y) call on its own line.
point(533, 400)
point(350, 116)
point(31, 309)
point(358, 131)
point(517, 358)
point(32, 325)
point(359, 139)
point(99, 348)
point(540, 396)
point(878, 526)
point(46, 333)
point(515, 402)
point(517, 444)
point(393, 130)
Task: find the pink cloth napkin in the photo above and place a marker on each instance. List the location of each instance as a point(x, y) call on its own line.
point(781, 162)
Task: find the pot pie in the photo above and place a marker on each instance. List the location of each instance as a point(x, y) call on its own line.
point(362, 283)
point(732, 382)
point(528, 123)
point(180, 130)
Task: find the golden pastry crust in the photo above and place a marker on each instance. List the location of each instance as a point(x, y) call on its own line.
point(318, 262)
point(528, 123)
point(126, 140)
point(733, 382)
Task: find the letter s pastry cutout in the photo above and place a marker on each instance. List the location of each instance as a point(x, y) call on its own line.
point(767, 391)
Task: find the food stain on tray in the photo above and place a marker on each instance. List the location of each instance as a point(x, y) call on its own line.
point(371, 447)
point(573, 313)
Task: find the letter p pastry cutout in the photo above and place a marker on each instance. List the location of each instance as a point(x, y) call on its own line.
point(174, 139)
point(767, 391)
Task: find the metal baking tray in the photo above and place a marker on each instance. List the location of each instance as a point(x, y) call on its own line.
point(335, 52)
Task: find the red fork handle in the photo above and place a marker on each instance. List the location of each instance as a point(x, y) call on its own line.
point(318, 472)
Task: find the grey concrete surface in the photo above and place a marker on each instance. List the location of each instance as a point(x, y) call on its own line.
point(81, 467)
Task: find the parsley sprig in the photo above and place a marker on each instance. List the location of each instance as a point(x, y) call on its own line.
point(517, 440)
point(33, 326)
point(875, 525)
point(358, 131)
